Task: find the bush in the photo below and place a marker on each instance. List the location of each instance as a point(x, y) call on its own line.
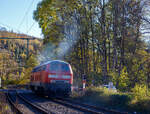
point(120, 99)
point(143, 105)
point(123, 81)
point(94, 79)
point(139, 91)
point(126, 102)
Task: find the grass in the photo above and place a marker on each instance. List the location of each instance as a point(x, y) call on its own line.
point(102, 97)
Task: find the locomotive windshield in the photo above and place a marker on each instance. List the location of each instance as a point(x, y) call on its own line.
point(59, 67)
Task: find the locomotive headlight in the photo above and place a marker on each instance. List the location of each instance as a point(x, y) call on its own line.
point(52, 76)
point(66, 76)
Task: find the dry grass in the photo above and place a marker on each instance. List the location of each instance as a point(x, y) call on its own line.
point(125, 102)
point(4, 107)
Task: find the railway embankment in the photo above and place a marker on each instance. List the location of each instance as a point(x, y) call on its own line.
point(119, 101)
point(4, 106)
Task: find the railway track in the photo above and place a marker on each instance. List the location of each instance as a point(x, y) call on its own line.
point(33, 106)
point(83, 109)
point(45, 105)
point(86, 107)
point(76, 106)
point(50, 104)
point(13, 105)
point(36, 106)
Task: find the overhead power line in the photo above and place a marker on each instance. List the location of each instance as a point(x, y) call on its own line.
point(30, 27)
point(25, 15)
point(10, 28)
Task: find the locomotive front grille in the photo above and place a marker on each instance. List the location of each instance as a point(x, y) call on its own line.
point(57, 76)
point(61, 81)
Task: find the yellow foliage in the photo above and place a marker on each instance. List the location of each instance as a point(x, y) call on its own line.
point(139, 91)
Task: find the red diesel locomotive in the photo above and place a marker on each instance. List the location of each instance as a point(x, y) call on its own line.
point(52, 77)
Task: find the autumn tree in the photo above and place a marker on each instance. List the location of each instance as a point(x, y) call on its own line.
point(102, 38)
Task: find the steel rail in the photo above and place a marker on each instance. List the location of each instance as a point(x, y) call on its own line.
point(91, 108)
point(13, 105)
point(76, 106)
point(36, 106)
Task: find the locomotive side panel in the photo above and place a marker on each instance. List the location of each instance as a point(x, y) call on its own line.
point(53, 77)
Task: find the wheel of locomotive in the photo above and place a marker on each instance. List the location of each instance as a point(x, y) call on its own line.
point(67, 95)
point(32, 88)
point(41, 91)
point(38, 91)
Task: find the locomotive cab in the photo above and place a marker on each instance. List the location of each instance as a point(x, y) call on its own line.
point(60, 77)
point(53, 77)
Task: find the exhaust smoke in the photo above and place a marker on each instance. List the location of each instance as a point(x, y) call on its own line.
point(71, 36)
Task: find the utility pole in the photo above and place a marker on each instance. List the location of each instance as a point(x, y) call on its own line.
point(0, 83)
point(27, 48)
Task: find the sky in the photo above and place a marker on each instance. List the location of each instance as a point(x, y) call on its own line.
point(17, 15)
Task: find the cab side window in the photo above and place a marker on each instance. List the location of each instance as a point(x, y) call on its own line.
point(44, 68)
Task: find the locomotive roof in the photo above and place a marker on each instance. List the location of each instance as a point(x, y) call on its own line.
point(52, 61)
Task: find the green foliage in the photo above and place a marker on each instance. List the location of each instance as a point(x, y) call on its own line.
point(123, 80)
point(141, 99)
point(32, 61)
point(141, 106)
point(13, 57)
point(94, 79)
point(113, 77)
point(140, 91)
point(124, 102)
point(108, 45)
point(105, 98)
point(25, 76)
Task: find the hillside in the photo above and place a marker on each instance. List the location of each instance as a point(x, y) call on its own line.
point(13, 54)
